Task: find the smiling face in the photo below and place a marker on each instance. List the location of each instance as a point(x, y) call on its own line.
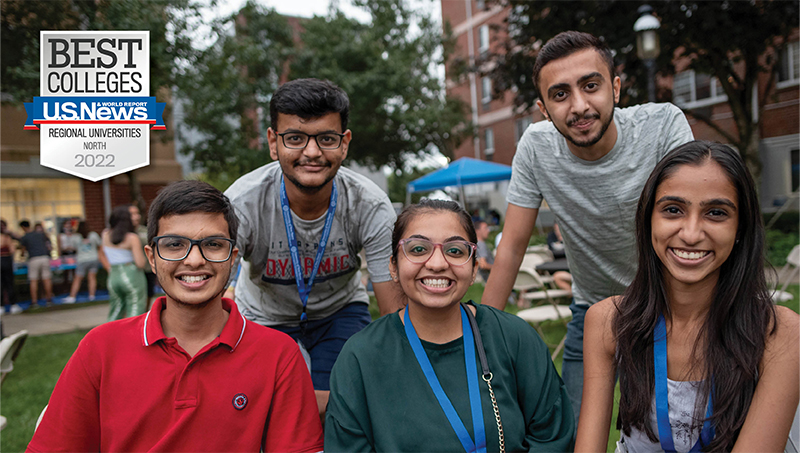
point(578, 96)
point(309, 169)
point(192, 281)
point(435, 283)
point(694, 224)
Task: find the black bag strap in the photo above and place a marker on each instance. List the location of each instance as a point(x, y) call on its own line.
point(478, 341)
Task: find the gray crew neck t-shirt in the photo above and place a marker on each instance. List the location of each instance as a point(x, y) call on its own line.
point(595, 202)
point(266, 291)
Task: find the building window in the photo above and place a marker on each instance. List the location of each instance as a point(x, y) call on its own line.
point(519, 127)
point(483, 39)
point(480, 5)
point(488, 141)
point(691, 89)
point(486, 92)
point(795, 160)
point(790, 65)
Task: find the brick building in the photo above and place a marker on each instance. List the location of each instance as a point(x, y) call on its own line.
point(500, 124)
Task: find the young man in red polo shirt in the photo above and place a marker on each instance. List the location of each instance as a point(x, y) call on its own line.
point(191, 374)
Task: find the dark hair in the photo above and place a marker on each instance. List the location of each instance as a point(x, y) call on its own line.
point(120, 223)
point(426, 206)
point(566, 43)
point(186, 197)
point(309, 98)
point(24, 224)
point(83, 229)
point(739, 320)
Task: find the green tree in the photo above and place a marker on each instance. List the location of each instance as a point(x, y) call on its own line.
point(170, 25)
point(734, 41)
point(387, 67)
point(227, 89)
point(399, 179)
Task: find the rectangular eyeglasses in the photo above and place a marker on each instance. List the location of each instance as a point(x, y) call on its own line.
point(177, 248)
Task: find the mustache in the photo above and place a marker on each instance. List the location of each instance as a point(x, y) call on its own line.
point(588, 116)
point(319, 162)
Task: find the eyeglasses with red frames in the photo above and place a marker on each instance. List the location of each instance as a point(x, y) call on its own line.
point(419, 251)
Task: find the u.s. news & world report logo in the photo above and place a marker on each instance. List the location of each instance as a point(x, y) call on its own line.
point(95, 113)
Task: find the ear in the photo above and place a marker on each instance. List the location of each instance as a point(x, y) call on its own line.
point(272, 140)
point(393, 269)
point(616, 84)
point(234, 254)
point(150, 254)
point(542, 109)
point(346, 142)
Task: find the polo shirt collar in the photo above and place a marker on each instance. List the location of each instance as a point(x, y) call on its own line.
point(231, 334)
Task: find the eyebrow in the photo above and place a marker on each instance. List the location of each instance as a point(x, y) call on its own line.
point(451, 238)
point(711, 202)
point(582, 79)
point(293, 131)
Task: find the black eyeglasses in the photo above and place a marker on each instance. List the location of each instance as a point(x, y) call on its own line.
point(419, 251)
point(177, 248)
point(299, 140)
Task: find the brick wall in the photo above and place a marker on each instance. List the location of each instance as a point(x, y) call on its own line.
point(93, 200)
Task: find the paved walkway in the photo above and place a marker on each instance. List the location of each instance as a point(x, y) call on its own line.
point(56, 321)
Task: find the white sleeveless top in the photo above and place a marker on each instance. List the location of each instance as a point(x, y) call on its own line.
point(685, 429)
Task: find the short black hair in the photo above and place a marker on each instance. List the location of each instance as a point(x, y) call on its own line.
point(24, 224)
point(186, 197)
point(309, 98)
point(566, 43)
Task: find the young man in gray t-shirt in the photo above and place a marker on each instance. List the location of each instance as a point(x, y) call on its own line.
point(306, 212)
point(590, 161)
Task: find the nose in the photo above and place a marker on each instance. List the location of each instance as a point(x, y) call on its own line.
point(312, 149)
point(579, 105)
point(195, 256)
point(437, 260)
point(692, 230)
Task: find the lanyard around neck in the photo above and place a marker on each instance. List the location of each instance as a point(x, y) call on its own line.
point(472, 383)
point(291, 235)
point(662, 391)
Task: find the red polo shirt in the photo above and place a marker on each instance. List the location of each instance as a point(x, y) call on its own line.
point(130, 388)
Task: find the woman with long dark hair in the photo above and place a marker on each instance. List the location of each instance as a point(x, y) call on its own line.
point(705, 360)
point(440, 375)
point(123, 258)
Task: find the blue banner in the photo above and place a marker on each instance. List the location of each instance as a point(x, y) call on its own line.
point(95, 110)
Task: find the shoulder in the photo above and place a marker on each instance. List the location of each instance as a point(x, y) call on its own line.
point(599, 322)
point(372, 341)
point(352, 181)
point(255, 181)
point(785, 340)
point(108, 337)
point(511, 327)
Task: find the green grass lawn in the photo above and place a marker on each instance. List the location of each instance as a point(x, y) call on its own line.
point(27, 388)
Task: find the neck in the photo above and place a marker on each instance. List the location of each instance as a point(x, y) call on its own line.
point(435, 325)
point(308, 206)
point(690, 304)
point(599, 149)
point(193, 327)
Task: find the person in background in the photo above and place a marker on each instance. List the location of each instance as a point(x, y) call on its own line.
point(562, 279)
point(7, 250)
point(705, 359)
point(87, 262)
point(123, 258)
point(67, 240)
point(141, 230)
point(412, 380)
point(485, 256)
point(192, 374)
point(38, 247)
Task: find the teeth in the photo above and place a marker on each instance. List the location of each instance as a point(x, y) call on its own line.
point(436, 282)
point(193, 278)
point(689, 255)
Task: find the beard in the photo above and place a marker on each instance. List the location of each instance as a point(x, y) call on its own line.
point(591, 141)
point(305, 188)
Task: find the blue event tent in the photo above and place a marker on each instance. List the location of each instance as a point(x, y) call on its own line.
point(459, 173)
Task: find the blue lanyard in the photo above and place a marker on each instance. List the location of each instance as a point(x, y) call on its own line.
point(472, 384)
point(288, 223)
point(662, 403)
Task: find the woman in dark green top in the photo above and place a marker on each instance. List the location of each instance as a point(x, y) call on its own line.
point(382, 399)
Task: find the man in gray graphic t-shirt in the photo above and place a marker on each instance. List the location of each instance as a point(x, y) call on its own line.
point(306, 212)
point(590, 161)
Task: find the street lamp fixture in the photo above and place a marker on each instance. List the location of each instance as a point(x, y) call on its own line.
point(648, 46)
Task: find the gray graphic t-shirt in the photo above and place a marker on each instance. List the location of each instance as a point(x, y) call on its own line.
point(266, 291)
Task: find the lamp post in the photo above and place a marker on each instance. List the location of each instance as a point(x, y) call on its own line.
point(648, 46)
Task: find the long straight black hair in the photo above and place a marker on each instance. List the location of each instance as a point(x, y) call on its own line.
point(734, 333)
point(121, 223)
